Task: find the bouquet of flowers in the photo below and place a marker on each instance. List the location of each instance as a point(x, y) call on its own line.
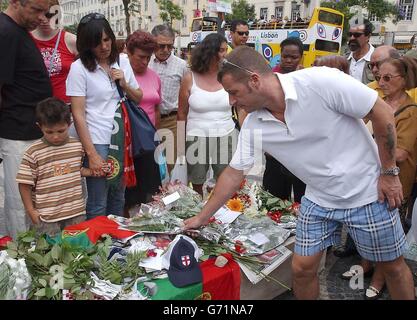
point(188, 205)
point(253, 201)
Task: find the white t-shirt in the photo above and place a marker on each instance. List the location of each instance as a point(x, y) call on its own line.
point(210, 114)
point(324, 141)
point(101, 96)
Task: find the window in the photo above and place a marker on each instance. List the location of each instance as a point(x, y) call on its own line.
point(184, 22)
point(406, 9)
point(121, 8)
point(330, 17)
point(133, 25)
point(263, 13)
point(372, 17)
point(279, 12)
point(116, 11)
point(146, 5)
point(295, 12)
point(112, 12)
point(325, 45)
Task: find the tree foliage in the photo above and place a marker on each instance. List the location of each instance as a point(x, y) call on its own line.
point(242, 10)
point(169, 11)
point(3, 5)
point(72, 28)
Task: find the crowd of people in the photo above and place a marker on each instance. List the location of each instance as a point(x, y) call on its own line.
point(339, 137)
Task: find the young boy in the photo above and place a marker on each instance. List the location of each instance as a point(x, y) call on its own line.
point(50, 173)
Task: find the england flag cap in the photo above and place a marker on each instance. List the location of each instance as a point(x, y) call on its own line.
point(184, 268)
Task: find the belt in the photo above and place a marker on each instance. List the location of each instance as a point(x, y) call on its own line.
point(172, 113)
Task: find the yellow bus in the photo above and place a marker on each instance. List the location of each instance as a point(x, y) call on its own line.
point(321, 35)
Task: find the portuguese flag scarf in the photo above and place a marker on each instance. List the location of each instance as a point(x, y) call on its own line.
point(120, 157)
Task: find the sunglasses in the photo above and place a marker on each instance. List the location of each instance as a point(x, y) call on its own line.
point(92, 16)
point(241, 33)
point(49, 15)
point(371, 65)
point(225, 62)
point(163, 46)
point(387, 77)
point(355, 34)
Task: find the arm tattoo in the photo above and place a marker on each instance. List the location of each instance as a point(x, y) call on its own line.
point(390, 143)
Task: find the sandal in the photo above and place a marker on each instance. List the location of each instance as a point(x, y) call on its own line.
point(355, 272)
point(373, 293)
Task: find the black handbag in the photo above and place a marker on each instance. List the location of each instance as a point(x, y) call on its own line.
point(144, 136)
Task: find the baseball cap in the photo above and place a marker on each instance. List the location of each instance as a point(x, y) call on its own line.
point(181, 260)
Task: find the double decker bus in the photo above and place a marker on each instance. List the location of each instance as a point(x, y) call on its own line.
point(321, 35)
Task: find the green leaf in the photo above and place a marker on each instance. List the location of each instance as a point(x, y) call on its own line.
point(56, 252)
point(42, 244)
point(28, 239)
point(40, 292)
point(12, 253)
point(42, 282)
point(49, 292)
point(37, 257)
point(12, 246)
point(48, 259)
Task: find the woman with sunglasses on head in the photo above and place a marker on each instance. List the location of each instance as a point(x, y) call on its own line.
point(91, 85)
point(58, 49)
point(205, 109)
point(396, 76)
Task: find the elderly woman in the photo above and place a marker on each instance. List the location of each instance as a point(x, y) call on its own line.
point(204, 106)
point(94, 100)
point(140, 46)
point(395, 77)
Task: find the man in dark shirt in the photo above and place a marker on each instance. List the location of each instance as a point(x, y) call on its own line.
point(24, 82)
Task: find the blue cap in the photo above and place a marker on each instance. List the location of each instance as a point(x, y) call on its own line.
point(183, 268)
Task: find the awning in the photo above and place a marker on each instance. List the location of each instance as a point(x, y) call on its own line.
point(403, 39)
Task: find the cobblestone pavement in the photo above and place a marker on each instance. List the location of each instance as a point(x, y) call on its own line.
point(333, 287)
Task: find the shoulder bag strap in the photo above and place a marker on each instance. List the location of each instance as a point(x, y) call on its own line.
point(403, 109)
point(119, 88)
point(51, 61)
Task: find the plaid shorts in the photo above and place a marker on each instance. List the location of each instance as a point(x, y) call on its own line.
point(376, 230)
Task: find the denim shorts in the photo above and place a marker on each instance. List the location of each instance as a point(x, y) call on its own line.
point(376, 230)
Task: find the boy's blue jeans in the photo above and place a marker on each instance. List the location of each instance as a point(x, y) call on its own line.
point(101, 202)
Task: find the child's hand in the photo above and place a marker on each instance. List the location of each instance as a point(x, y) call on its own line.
point(34, 216)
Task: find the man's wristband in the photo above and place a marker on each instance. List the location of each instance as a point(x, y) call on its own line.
point(394, 171)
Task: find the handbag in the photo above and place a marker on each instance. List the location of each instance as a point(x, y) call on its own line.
point(144, 136)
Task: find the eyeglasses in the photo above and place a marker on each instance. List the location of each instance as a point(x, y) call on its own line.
point(355, 34)
point(241, 33)
point(371, 65)
point(224, 62)
point(92, 16)
point(49, 15)
point(387, 77)
point(163, 46)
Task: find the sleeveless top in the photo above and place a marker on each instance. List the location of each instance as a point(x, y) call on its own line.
point(209, 113)
point(61, 64)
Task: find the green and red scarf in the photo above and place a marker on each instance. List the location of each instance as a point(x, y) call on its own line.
point(120, 158)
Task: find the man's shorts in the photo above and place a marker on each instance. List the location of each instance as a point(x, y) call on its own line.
point(376, 230)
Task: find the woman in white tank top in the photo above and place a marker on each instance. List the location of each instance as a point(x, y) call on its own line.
point(204, 107)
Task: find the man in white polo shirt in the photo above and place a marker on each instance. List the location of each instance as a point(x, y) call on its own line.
point(361, 51)
point(312, 123)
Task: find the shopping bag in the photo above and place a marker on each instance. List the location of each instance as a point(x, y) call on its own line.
point(180, 171)
point(144, 137)
point(163, 168)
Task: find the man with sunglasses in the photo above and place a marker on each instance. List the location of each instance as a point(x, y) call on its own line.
point(361, 51)
point(24, 82)
point(239, 31)
point(311, 122)
point(171, 70)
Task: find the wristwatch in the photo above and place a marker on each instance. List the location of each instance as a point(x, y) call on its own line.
point(394, 171)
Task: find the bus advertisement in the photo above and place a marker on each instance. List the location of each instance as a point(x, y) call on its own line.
point(321, 35)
